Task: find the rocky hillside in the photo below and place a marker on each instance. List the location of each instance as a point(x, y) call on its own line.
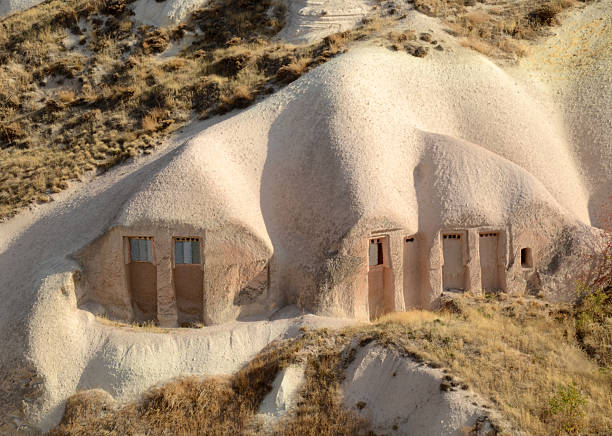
point(299, 132)
point(482, 366)
point(87, 85)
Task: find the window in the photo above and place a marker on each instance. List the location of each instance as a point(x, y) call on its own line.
point(186, 251)
point(141, 249)
point(408, 240)
point(526, 258)
point(376, 252)
point(452, 236)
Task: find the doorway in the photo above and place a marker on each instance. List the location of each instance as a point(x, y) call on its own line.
point(188, 280)
point(380, 278)
point(142, 278)
point(412, 297)
point(489, 268)
point(453, 270)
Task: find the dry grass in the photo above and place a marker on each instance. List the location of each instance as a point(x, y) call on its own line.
point(411, 317)
point(68, 110)
point(319, 411)
point(153, 120)
point(501, 29)
point(187, 406)
point(148, 326)
point(522, 354)
point(594, 307)
point(594, 324)
point(221, 406)
point(289, 73)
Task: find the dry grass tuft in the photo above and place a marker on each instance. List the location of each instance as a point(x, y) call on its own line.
point(152, 121)
point(238, 96)
point(156, 41)
point(433, 8)
point(319, 412)
point(291, 72)
point(547, 13)
point(66, 96)
point(480, 46)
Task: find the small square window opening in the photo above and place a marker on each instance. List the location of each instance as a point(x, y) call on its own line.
point(526, 258)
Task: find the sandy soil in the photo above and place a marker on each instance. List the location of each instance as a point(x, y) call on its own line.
point(311, 20)
point(400, 396)
point(8, 7)
point(166, 13)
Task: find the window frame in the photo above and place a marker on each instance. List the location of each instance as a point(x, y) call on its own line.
point(182, 240)
point(141, 238)
point(380, 252)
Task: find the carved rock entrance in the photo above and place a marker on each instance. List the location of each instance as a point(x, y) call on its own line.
point(453, 269)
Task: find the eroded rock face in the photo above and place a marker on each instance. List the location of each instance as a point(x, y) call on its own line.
point(309, 20)
point(286, 202)
point(169, 12)
point(443, 165)
point(401, 396)
point(284, 394)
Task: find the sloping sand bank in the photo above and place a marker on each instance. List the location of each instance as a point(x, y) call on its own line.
point(8, 7)
point(574, 69)
point(310, 20)
point(165, 13)
point(400, 396)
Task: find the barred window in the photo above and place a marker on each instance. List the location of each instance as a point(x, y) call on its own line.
point(186, 251)
point(141, 249)
point(376, 252)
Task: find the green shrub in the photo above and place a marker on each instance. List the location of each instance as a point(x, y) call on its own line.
point(565, 410)
point(594, 323)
